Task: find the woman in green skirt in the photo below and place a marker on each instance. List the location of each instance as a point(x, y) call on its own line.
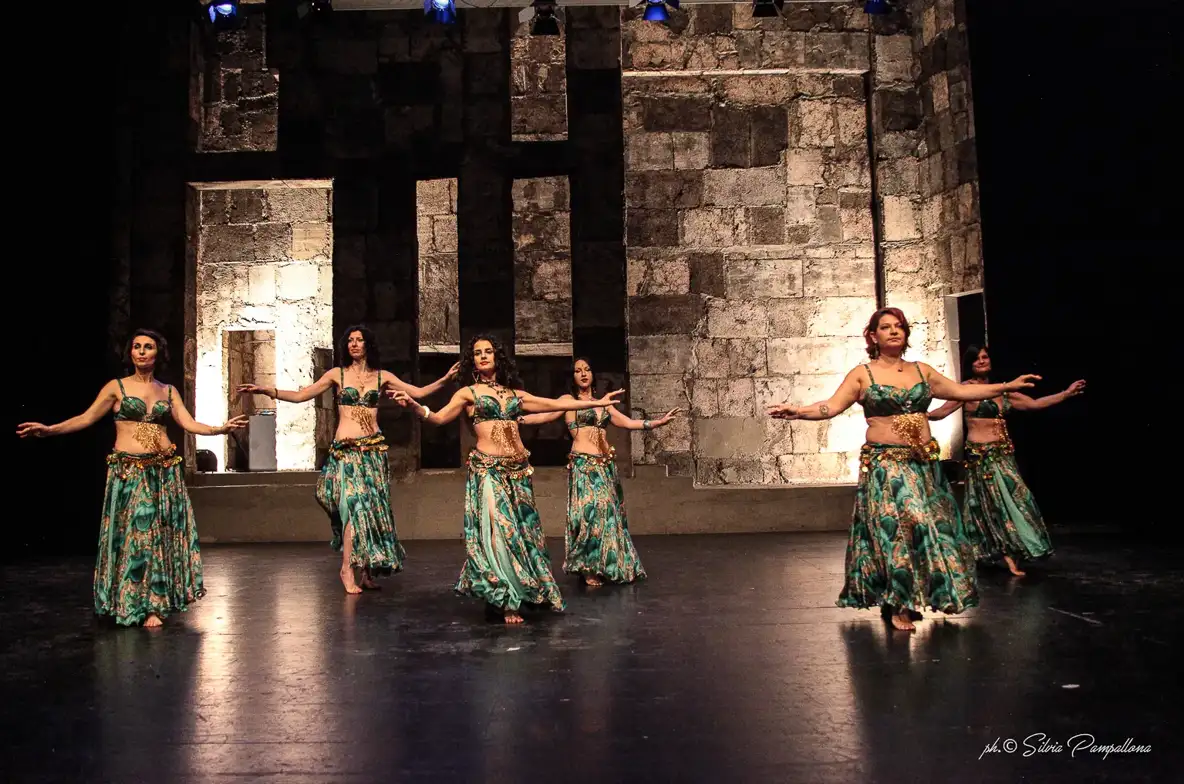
point(907, 549)
point(508, 565)
point(998, 508)
point(597, 542)
point(149, 561)
point(354, 488)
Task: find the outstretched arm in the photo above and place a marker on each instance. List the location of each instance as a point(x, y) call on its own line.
point(542, 419)
point(103, 403)
point(392, 383)
point(1022, 402)
point(533, 403)
point(182, 417)
point(843, 398)
point(944, 410)
point(627, 423)
point(951, 390)
point(451, 411)
point(319, 387)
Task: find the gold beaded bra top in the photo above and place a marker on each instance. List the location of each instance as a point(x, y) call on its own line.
point(149, 431)
point(487, 408)
point(595, 418)
point(989, 409)
point(908, 408)
point(362, 407)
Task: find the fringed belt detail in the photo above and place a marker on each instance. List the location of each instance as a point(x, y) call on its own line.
point(513, 466)
point(372, 443)
point(127, 461)
point(600, 460)
point(871, 453)
point(979, 454)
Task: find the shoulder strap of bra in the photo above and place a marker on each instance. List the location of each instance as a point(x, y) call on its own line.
point(472, 391)
point(122, 391)
point(170, 395)
point(868, 367)
point(380, 381)
point(920, 373)
point(342, 369)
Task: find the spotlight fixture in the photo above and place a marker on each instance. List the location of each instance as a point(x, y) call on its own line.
point(767, 8)
point(442, 11)
point(223, 14)
point(655, 10)
point(308, 8)
point(877, 7)
point(544, 22)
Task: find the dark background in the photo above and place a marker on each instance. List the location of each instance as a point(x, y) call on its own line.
point(1074, 105)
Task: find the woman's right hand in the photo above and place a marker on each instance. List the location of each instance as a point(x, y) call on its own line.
point(402, 398)
point(1026, 381)
point(784, 411)
point(255, 389)
point(33, 429)
point(612, 398)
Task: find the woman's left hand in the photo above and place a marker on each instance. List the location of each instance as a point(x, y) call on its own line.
point(237, 423)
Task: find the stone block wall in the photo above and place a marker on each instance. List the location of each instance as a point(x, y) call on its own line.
point(749, 227)
point(239, 93)
point(542, 261)
point(945, 215)
point(264, 263)
point(538, 84)
point(439, 309)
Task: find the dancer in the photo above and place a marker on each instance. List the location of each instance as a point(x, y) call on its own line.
point(354, 487)
point(597, 544)
point(999, 508)
point(907, 548)
point(508, 564)
point(149, 561)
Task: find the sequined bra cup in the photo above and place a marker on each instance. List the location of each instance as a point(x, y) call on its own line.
point(352, 397)
point(487, 408)
point(882, 401)
point(133, 409)
point(590, 417)
point(989, 409)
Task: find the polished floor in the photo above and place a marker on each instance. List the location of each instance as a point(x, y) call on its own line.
point(731, 664)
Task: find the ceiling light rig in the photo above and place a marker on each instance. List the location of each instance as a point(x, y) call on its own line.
point(441, 11)
point(223, 14)
point(655, 10)
point(313, 8)
point(547, 17)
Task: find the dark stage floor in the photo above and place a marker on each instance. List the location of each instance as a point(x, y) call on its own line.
point(730, 665)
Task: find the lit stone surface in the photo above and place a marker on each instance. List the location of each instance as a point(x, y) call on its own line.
point(283, 287)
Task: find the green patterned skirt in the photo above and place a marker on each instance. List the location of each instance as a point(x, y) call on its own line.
point(999, 509)
point(355, 491)
point(907, 547)
point(508, 564)
point(598, 543)
point(149, 562)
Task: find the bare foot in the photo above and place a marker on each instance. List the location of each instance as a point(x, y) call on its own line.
point(592, 581)
point(347, 579)
point(1012, 566)
point(152, 621)
point(902, 622)
point(513, 617)
point(368, 581)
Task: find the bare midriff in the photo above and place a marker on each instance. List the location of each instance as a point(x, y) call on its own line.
point(356, 422)
point(141, 438)
point(898, 429)
point(590, 441)
point(499, 437)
